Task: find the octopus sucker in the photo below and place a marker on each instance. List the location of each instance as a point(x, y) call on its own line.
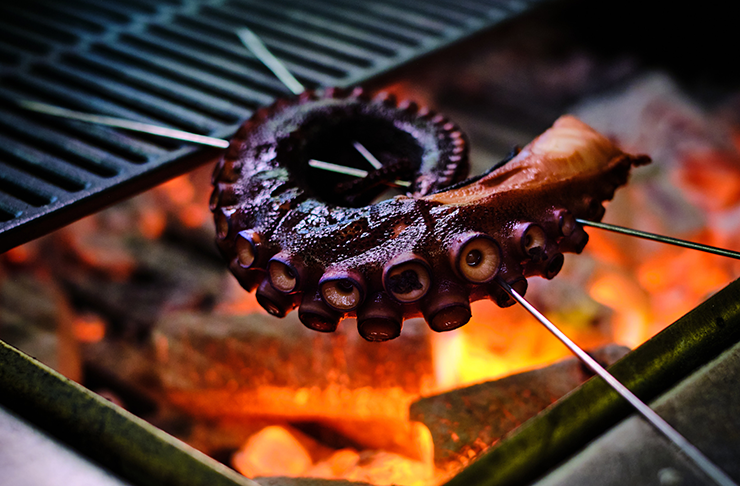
point(317, 241)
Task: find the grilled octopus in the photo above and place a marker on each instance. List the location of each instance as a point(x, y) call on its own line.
point(315, 240)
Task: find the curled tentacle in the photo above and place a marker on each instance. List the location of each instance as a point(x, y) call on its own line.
point(303, 240)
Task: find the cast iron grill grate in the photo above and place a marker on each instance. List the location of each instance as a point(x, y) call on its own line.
point(177, 63)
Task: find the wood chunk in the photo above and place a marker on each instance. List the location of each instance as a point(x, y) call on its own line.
point(467, 421)
point(240, 367)
point(211, 352)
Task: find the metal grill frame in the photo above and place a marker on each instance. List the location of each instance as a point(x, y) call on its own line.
point(178, 64)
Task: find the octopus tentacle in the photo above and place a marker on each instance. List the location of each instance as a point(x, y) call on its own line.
point(304, 241)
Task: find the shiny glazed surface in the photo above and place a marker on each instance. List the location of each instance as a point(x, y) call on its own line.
point(314, 240)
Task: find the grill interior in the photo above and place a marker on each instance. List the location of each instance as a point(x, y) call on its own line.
point(177, 63)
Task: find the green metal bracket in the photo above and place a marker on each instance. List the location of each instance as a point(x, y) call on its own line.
point(118, 440)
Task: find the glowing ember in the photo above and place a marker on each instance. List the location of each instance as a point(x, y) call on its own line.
point(152, 222)
point(19, 254)
point(273, 451)
point(630, 306)
point(88, 328)
point(492, 348)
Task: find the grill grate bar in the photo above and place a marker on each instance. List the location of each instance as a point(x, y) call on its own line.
point(403, 17)
point(221, 57)
point(30, 191)
point(60, 94)
point(177, 64)
point(24, 42)
point(143, 103)
point(346, 16)
point(42, 166)
point(127, 9)
point(312, 67)
point(173, 91)
point(442, 18)
point(50, 30)
point(99, 18)
point(73, 21)
point(491, 9)
point(74, 154)
point(10, 207)
point(104, 148)
point(7, 211)
point(160, 57)
point(324, 43)
point(302, 19)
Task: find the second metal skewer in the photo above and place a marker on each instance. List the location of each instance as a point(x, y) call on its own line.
point(261, 52)
point(660, 238)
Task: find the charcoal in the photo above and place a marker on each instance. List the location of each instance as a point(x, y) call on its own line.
point(467, 421)
point(35, 318)
point(162, 277)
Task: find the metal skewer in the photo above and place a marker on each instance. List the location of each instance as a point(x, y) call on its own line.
point(368, 156)
point(660, 238)
point(351, 171)
point(176, 134)
point(261, 52)
point(123, 123)
point(707, 466)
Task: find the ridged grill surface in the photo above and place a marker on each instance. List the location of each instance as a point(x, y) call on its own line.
point(177, 63)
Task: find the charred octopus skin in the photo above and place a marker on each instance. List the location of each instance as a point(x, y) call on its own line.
point(314, 240)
